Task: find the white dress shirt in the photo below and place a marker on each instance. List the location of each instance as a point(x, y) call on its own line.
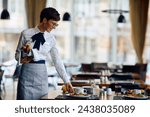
point(49, 47)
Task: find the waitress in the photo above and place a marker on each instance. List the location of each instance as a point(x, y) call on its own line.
point(38, 42)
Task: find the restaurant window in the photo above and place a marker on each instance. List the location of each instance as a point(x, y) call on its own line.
point(93, 32)
point(10, 29)
point(91, 37)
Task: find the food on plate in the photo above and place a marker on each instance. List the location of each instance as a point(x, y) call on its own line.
point(74, 94)
point(132, 93)
point(64, 89)
point(129, 91)
point(136, 95)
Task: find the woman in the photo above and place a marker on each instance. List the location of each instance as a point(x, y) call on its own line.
point(37, 43)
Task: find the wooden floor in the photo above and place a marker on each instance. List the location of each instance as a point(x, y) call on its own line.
point(11, 88)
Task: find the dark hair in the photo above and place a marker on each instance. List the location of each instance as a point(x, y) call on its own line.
point(49, 13)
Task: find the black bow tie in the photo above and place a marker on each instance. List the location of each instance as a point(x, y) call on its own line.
point(39, 39)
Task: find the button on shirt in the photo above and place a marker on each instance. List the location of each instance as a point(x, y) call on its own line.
point(49, 47)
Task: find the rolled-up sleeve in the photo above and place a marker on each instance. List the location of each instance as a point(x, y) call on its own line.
point(59, 64)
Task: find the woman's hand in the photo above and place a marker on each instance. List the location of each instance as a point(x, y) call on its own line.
point(26, 59)
point(68, 88)
point(26, 48)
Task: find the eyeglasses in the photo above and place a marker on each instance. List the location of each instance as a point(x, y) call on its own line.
point(54, 23)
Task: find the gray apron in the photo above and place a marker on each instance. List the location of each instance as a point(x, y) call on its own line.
point(33, 82)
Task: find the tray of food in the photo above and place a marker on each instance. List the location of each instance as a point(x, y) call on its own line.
point(136, 95)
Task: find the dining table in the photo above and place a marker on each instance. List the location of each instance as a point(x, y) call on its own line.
point(101, 93)
point(101, 96)
point(81, 79)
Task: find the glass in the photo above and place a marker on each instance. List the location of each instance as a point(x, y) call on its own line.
point(117, 89)
point(54, 23)
point(92, 82)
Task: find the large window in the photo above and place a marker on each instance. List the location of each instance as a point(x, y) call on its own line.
point(96, 36)
point(90, 36)
point(10, 29)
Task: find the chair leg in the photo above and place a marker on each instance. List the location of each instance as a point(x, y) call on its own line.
point(0, 97)
point(4, 89)
point(0, 93)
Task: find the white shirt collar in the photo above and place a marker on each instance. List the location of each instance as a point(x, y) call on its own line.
point(37, 30)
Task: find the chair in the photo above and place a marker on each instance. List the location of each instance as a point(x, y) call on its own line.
point(125, 86)
point(86, 67)
point(130, 69)
point(139, 69)
point(1, 77)
point(120, 76)
point(96, 67)
point(143, 69)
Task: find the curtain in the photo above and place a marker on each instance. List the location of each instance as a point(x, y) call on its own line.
point(33, 9)
point(139, 15)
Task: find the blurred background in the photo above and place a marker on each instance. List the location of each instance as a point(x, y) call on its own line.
point(89, 31)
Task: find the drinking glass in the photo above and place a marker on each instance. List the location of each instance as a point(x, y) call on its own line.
point(117, 89)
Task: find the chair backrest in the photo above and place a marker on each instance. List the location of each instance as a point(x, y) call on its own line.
point(86, 67)
point(143, 67)
point(125, 86)
point(131, 69)
point(143, 70)
point(137, 68)
point(96, 67)
point(121, 77)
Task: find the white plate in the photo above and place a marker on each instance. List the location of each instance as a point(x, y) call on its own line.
point(78, 96)
point(136, 98)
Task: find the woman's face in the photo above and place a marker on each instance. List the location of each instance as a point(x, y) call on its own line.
point(50, 24)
